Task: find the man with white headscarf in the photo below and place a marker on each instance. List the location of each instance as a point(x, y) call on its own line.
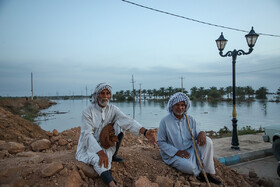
point(94, 119)
point(175, 141)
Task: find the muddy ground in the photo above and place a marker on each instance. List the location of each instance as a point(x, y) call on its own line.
point(31, 156)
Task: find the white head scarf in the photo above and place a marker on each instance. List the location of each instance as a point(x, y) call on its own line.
point(176, 98)
point(98, 89)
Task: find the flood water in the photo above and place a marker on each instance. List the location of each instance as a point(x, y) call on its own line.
point(66, 114)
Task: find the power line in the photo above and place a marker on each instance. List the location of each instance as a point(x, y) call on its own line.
point(260, 70)
point(195, 20)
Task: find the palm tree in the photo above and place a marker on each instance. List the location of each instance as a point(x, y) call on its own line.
point(194, 92)
point(150, 93)
point(261, 93)
point(222, 91)
point(144, 91)
point(249, 91)
point(201, 93)
point(170, 91)
point(161, 92)
point(228, 91)
point(214, 93)
point(155, 94)
point(240, 92)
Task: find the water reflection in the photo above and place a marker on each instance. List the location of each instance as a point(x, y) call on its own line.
point(209, 116)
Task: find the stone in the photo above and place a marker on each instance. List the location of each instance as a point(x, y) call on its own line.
point(62, 142)
point(74, 180)
point(195, 184)
point(144, 181)
point(27, 154)
point(87, 170)
point(50, 134)
point(40, 145)
point(55, 138)
point(252, 174)
point(64, 172)
point(164, 181)
point(51, 169)
point(36, 159)
point(3, 154)
point(55, 132)
point(82, 174)
point(13, 147)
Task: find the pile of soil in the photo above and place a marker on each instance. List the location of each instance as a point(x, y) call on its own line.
point(30, 156)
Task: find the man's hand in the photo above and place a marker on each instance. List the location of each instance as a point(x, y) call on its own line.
point(150, 135)
point(201, 138)
point(103, 159)
point(183, 154)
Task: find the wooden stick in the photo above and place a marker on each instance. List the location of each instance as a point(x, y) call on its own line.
point(196, 153)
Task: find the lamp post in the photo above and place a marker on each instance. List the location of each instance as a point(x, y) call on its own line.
point(251, 39)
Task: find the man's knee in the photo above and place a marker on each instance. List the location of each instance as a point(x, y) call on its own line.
point(185, 166)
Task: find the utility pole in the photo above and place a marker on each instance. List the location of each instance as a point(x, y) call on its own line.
point(86, 91)
point(31, 86)
point(140, 92)
point(182, 87)
point(133, 91)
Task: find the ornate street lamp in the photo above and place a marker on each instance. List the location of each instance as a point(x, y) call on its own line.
point(251, 39)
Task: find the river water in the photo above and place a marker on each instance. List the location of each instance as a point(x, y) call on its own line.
point(66, 114)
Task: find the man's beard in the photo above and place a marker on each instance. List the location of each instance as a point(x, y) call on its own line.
point(103, 102)
point(179, 113)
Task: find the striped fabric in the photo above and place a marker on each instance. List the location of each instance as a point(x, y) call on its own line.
point(98, 89)
point(176, 98)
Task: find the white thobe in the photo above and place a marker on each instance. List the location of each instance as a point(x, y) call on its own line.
point(174, 135)
point(94, 118)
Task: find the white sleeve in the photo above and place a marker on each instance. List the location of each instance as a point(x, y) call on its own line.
point(127, 123)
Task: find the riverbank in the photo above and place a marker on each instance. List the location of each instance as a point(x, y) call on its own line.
point(31, 156)
point(24, 107)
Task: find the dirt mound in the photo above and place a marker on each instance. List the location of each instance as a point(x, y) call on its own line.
point(41, 158)
point(14, 128)
point(23, 106)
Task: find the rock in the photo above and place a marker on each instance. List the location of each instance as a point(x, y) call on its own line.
point(64, 172)
point(55, 138)
point(26, 172)
point(164, 181)
point(36, 159)
point(252, 174)
point(50, 134)
point(62, 142)
point(193, 184)
point(177, 184)
point(55, 132)
point(144, 181)
point(265, 182)
point(3, 154)
point(8, 175)
point(2, 142)
point(82, 174)
point(27, 154)
point(12, 147)
point(88, 170)
point(40, 145)
point(51, 169)
point(74, 180)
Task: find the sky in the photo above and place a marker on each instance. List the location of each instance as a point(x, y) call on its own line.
point(70, 46)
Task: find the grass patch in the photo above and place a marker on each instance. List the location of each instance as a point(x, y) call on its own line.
point(225, 132)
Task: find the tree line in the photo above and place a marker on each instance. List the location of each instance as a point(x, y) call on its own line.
point(196, 93)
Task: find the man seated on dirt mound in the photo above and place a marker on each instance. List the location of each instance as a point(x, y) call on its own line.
point(102, 130)
point(175, 141)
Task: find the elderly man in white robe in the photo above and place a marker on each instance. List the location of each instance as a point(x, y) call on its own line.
point(175, 141)
point(94, 119)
